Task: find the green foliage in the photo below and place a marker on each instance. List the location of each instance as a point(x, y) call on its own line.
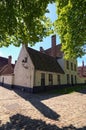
point(71, 26)
point(23, 21)
point(68, 89)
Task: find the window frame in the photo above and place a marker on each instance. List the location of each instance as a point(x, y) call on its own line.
point(67, 64)
point(50, 79)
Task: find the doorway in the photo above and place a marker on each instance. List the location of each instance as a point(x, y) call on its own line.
point(2, 81)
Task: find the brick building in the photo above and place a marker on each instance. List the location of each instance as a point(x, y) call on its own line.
point(82, 70)
point(69, 66)
point(6, 67)
point(6, 70)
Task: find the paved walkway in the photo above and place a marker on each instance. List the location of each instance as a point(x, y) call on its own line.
point(24, 111)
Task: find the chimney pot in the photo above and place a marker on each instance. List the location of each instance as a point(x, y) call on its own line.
point(53, 49)
point(41, 49)
point(53, 38)
point(15, 61)
point(82, 63)
point(9, 59)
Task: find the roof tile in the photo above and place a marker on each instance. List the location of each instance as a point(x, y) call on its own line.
point(44, 62)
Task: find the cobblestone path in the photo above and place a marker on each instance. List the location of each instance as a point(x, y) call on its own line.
point(24, 111)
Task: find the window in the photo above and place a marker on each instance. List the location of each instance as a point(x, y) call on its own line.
point(50, 79)
point(68, 79)
point(2, 81)
point(67, 64)
point(71, 66)
point(25, 60)
point(42, 79)
point(85, 81)
point(75, 79)
point(58, 79)
point(75, 67)
point(42, 75)
point(72, 79)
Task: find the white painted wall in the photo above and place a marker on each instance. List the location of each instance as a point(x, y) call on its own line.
point(62, 63)
point(38, 77)
point(24, 73)
point(7, 79)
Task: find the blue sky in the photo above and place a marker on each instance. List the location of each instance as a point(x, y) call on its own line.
point(46, 43)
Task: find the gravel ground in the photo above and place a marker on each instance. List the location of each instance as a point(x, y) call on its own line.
point(24, 111)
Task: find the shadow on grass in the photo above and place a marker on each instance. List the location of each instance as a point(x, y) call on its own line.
point(21, 122)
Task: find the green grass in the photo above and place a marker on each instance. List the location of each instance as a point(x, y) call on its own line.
point(67, 90)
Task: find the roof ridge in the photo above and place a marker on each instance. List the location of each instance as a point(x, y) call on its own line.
point(41, 53)
point(51, 46)
point(44, 62)
point(4, 57)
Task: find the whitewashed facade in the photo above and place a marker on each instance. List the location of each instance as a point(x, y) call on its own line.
point(7, 80)
point(24, 71)
point(27, 76)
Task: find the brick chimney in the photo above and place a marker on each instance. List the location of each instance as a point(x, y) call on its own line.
point(82, 63)
point(53, 38)
point(82, 68)
point(15, 61)
point(53, 42)
point(9, 60)
point(41, 49)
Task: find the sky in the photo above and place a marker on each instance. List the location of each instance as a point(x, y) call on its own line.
point(46, 43)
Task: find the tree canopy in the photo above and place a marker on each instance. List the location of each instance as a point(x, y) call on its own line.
point(71, 26)
point(24, 21)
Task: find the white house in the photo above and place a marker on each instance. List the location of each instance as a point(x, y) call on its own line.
point(35, 71)
point(39, 70)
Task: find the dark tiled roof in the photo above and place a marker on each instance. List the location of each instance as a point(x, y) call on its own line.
point(44, 62)
point(3, 61)
point(5, 68)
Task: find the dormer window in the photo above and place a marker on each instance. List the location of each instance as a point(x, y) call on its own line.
point(24, 60)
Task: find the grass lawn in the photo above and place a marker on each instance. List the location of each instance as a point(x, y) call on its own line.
point(67, 90)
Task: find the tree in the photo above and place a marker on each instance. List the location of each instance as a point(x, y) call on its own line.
point(23, 21)
point(71, 26)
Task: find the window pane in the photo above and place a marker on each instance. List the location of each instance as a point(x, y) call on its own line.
point(68, 79)
point(58, 79)
point(71, 66)
point(67, 64)
point(50, 79)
